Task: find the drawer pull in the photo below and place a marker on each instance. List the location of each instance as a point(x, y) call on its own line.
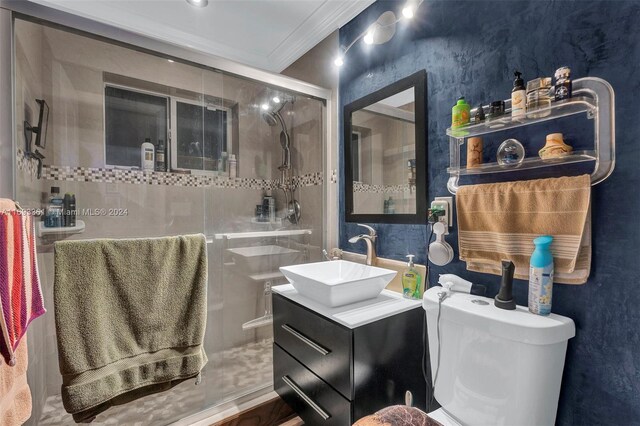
point(305, 339)
point(305, 398)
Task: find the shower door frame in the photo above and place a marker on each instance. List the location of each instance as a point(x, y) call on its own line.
point(7, 101)
point(28, 10)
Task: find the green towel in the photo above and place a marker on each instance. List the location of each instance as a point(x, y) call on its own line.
point(130, 318)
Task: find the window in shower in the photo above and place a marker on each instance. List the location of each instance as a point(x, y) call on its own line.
point(201, 136)
point(131, 117)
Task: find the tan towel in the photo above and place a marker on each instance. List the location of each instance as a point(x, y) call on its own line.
point(130, 318)
point(15, 396)
point(500, 220)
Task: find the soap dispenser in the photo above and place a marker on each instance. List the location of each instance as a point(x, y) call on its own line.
point(411, 281)
point(504, 299)
point(518, 96)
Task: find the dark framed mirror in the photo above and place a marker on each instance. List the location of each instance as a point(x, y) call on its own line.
point(385, 154)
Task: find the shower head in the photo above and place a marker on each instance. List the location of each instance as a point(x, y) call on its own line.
point(269, 118)
point(271, 115)
point(273, 118)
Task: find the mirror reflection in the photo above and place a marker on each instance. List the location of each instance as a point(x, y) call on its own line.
point(383, 156)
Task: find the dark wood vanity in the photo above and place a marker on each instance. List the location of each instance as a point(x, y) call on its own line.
point(331, 374)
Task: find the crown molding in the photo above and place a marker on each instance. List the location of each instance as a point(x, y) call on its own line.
point(330, 16)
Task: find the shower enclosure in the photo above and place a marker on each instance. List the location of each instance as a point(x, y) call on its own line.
point(106, 98)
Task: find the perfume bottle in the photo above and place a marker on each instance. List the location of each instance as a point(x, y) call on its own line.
point(563, 86)
point(539, 97)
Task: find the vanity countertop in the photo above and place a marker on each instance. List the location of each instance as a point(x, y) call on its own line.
point(354, 315)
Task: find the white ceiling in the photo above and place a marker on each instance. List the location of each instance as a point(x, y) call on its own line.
point(268, 34)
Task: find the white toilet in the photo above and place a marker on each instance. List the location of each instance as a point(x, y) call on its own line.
point(497, 367)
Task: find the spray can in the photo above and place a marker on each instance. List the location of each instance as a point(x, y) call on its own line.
point(541, 276)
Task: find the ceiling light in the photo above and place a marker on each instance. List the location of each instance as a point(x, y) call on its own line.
point(339, 61)
point(170, 60)
point(368, 37)
point(264, 106)
point(407, 11)
point(198, 3)
point(410, 8)
point(276, 100)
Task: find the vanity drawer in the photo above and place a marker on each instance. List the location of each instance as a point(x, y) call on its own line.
point(314, 400)
point(322, 346)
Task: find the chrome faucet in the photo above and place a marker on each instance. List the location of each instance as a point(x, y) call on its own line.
point(336, 254)
point(370, 239)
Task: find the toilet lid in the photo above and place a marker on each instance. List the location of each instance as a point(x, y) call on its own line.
point(442, 417)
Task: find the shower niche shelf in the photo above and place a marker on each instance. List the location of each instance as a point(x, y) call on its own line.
point(60, 232)
point(592, 96)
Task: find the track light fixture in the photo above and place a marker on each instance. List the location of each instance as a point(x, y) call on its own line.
point(380, 31)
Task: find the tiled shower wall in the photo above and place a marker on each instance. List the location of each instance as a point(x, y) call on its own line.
point(67, 71)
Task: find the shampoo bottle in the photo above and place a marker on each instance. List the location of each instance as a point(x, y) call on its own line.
point(460, 113)
point(160, 157)
point(411, 281)
point(541, 276)
point(233, 166)
point(54, 212)
point(518, 96)
point(147, 155)
point(66, 210)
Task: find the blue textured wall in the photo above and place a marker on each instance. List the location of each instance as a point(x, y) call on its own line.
point(470, 48)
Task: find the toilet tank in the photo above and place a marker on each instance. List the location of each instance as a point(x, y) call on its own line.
point(497, 367)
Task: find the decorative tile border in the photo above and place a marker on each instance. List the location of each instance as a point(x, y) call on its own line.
point(386, 189)
point(310, 179)
point(139, 177)
point(26, 165)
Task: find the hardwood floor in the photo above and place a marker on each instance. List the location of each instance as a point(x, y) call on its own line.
point(270, 413)
point(296, 421)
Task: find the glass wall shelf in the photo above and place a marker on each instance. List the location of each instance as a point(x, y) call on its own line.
point(591, 96)
point(575, 105)
point(527, 163)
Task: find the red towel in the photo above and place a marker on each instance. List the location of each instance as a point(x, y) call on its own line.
point(20, 294)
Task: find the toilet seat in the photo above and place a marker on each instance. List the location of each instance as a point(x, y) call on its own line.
point(442, 417)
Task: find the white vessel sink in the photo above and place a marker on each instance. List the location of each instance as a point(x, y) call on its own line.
point(263, 258)
point(338, 282)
